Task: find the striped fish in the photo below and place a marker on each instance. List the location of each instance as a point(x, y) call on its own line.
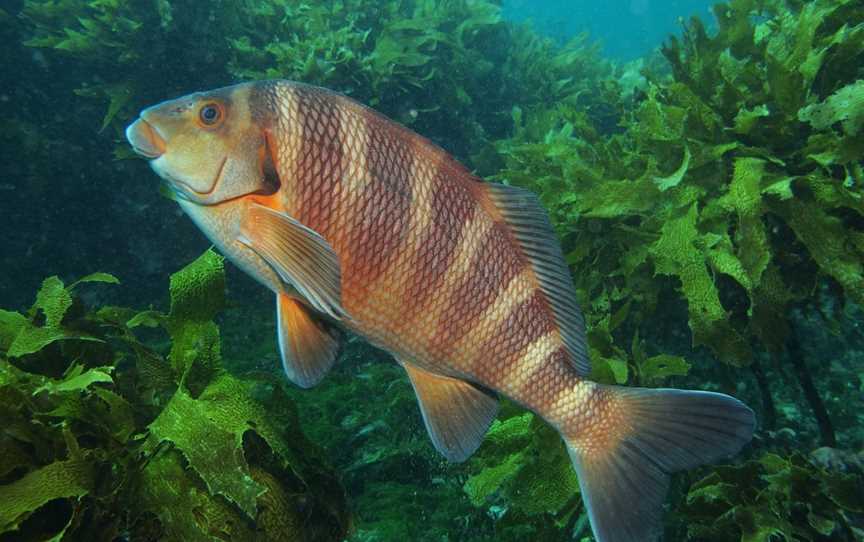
point(355, 222)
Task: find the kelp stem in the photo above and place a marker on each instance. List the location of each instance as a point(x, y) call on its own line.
point(769, 412)
point(826, 428)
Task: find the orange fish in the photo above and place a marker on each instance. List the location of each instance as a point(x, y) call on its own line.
point(355, 221)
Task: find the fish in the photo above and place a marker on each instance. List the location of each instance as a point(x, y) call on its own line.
point(357, 223)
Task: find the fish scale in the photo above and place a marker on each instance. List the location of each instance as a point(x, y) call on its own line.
point(375, 229)
point(506, 355)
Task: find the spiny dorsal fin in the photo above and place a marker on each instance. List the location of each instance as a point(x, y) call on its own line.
point(456, 413)
point(530, 224)
point(308, 346)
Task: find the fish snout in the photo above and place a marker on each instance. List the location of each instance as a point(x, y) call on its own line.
point(145, 139)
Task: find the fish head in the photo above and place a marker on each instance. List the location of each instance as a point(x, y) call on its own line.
point(210, 147)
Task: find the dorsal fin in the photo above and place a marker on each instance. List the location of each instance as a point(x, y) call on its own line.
point(530, 224)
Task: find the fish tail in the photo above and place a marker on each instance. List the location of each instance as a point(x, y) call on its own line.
point(628, 441)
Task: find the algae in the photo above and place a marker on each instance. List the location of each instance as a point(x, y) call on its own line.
point(523, 472)
point(737, 134)
point(725, 170)
point(89, 446)
point(787, 498)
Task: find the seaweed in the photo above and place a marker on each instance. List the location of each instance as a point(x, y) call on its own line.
point(775, 497)
point(522, 476)
point(396, 56)
point(748, 154)
point(720, 174)
point(103, 435)
point(365, 414)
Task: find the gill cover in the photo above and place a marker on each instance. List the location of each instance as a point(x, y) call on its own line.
point(213, 149)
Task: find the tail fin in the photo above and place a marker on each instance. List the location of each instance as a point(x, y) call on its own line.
point(624, 471)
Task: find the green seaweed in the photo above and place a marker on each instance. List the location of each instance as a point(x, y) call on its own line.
point(197, 295)
point(774, 498)
point(102, 434)
point(523, 473)
point(382, 53)
point(44, 325)
point(844, 106)
point(746, 98)
point(746, 155)
point(69, 479)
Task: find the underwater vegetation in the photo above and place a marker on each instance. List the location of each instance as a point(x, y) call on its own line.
point(774, 497)
point(106, 438)
point(736, 191)
point(425, 63)
point(710, 206)
point(736, 188)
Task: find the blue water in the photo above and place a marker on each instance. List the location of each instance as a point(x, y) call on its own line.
point(626, 28)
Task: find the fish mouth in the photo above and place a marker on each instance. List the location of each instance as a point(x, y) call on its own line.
point(145, 139)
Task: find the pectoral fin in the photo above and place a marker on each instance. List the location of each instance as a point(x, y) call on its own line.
point(307, 345)
point(456, 413)
point(300, 256)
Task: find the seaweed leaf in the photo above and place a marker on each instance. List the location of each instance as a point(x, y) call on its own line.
point(663, 366)
point(11, 324)
point(676, 253)
point(53, 300)
point(747, 119)
point(96, 277)
point(487, 482)
point(846, 106)
point(72, 478)
point(824, 236)
point(209, 433)
point(45, 323)
point(673, 180)
point(77, 379)
point(773, 496)
point(525, 461)
point(745, 196)
point(197, 294)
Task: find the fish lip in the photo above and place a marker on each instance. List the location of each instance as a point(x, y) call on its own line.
point(145, 139)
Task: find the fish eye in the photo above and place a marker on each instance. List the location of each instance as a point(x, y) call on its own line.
point(210, 114)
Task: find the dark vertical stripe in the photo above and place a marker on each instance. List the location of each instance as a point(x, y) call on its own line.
point(451, 209)
point(495, 264)
point(263, 107)
point(319, 167)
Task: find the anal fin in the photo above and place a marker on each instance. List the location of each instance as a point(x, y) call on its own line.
point(456, 413)
point(307, 345)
